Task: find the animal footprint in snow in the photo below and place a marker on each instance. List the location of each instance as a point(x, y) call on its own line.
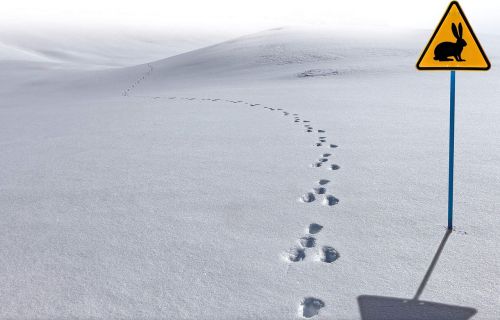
point(319, 190)
point(326, 155)
point(318, 144)
point(322, 182)
point(309, 307)
point(307, 241)
point(316, 164)
point(321, 131)
point(334, 167)
point(307, 197)
point(333, 146)
point(314, 228)
point(323, 159)
point(328, 254)
point(329, 200)
point(296, 254)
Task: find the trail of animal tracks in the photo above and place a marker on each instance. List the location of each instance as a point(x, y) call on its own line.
point(308, 306)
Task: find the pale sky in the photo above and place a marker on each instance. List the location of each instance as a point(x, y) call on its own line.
point(242, 16)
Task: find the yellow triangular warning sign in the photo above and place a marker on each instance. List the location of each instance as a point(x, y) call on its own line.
point(453, 46)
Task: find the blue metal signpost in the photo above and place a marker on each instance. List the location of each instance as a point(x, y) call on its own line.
point(441, 54)
point(452, 150)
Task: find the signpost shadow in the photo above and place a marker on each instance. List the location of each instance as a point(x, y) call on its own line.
point(391, 308)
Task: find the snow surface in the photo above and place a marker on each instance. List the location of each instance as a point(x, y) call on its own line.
point(286, 174)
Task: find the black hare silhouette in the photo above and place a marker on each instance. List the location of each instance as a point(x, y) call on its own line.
point(451, 49)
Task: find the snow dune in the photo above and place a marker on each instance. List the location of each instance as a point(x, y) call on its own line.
point(93, 48)
point(286, 174)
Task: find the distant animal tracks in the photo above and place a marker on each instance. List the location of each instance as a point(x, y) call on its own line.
point(316, 164)
point(128, 90)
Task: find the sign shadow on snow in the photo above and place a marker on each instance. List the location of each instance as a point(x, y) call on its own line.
point(391, 308)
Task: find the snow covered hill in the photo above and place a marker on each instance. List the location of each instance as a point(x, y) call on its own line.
point(286, 174)
point(96, 48)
